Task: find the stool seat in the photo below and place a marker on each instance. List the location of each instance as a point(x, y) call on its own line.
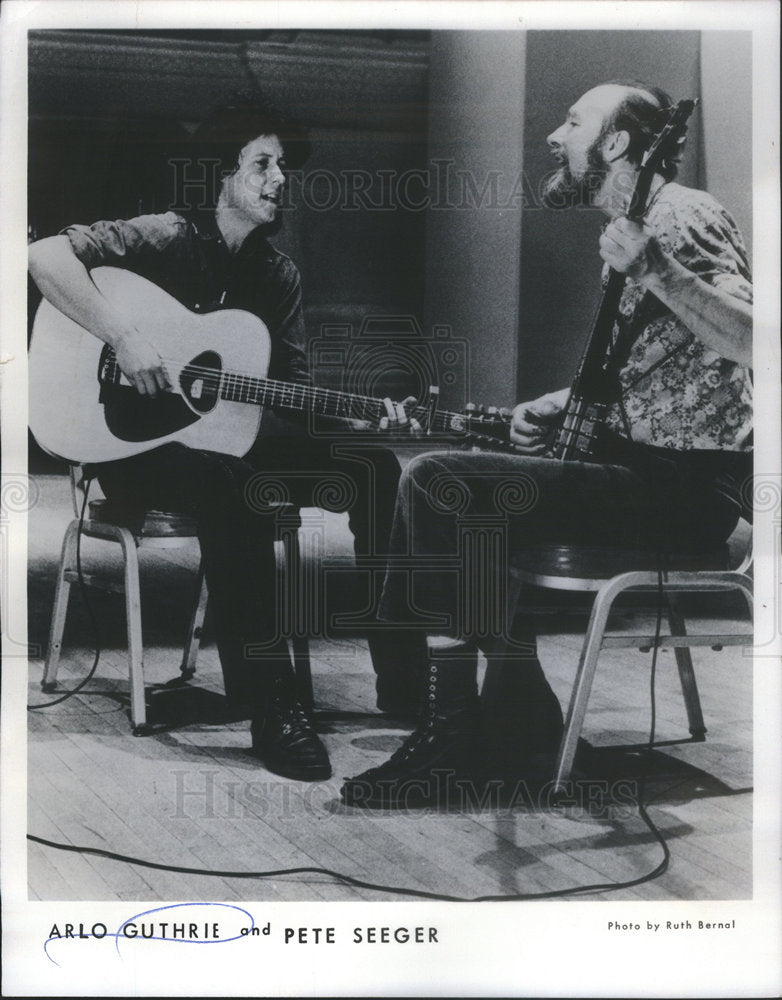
point(603, 562)
point(608, 572)
point(148, 523)
point(167, 524)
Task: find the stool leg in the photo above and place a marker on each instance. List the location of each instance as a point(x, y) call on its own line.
point(195, 631)
point(60, 610)
point(138, 709)
point(582, 687)
point(745, 585)
point(299, 641)
point(687, 679)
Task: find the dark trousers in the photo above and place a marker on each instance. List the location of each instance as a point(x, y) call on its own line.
point(461, 516)
point(232, 501)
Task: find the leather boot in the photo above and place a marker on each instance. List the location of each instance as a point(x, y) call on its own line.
point(284, 739)
point(524, 721)
point(400, 663)
point(444, 754)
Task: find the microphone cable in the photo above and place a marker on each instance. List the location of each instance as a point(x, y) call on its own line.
point(350, 880)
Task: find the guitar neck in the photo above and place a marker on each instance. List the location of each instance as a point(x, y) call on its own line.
point(592, 376)
point(326, 402)
point(203, 383)
point(594, 388)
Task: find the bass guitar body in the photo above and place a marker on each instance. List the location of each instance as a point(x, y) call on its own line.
point(581, 432)
point(83, 410)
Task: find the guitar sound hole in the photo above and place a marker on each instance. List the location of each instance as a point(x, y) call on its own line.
point(200, 381)
point(133, 417)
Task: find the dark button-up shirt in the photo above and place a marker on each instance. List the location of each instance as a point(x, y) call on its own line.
point(191, 262)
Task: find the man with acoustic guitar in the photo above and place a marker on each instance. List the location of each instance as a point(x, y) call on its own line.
point(217, 257)
point(650, 447)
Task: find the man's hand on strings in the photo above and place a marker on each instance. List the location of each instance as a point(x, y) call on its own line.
point(140, 363)
point(397, 420)
point(531, 422)
point(630, 248)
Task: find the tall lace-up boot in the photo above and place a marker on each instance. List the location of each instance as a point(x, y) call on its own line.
point(442, 761)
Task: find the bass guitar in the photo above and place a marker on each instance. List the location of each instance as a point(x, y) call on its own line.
point(82, 409)
point(595, 388)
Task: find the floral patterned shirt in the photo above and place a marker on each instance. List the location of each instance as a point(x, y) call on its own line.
point(677, 392)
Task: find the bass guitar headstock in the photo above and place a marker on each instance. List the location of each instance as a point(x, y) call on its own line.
point(665, 146)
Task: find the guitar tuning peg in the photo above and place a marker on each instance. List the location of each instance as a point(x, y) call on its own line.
point(492, 411)
point(469, 408)
point(504, 412)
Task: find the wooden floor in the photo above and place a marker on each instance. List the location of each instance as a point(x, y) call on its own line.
point(190, 795)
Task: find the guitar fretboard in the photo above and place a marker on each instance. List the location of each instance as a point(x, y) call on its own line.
point(328, 402)
point(200, 382)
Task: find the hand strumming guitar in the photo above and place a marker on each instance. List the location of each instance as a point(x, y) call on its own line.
point(532, 422)
point(140, 362)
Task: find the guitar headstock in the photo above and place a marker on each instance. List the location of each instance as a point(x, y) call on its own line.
point(488, 426)
point(666, 143)
point(673, 133)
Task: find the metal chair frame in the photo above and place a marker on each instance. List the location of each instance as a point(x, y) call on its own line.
point(607, 588)
point(151, 530)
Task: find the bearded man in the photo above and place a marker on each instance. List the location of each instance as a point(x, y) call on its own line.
point(675, 453)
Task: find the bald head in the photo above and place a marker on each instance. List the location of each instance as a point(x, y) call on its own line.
point(608, 129)
point(605, 100)
point(638, 110)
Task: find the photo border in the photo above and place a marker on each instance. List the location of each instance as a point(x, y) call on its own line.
point(538, 949)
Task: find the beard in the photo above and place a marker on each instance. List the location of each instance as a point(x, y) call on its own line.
point(563, 189)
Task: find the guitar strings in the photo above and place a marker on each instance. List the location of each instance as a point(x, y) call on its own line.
point(338, 400)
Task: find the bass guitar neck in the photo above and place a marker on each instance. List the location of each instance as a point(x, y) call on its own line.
point(595, 388)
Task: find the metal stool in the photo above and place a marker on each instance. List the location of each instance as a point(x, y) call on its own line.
point(608, 573)
point(151, 530)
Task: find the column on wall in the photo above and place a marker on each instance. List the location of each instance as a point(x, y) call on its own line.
point(560, 265)
point(473, 224)
point(726, 113)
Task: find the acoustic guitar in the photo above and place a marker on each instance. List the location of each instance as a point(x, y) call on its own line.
point(82, 408)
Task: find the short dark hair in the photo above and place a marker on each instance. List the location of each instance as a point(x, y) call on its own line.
point(641, 113)
point(222, 136)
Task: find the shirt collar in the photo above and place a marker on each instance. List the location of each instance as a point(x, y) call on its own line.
point(205, 226)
